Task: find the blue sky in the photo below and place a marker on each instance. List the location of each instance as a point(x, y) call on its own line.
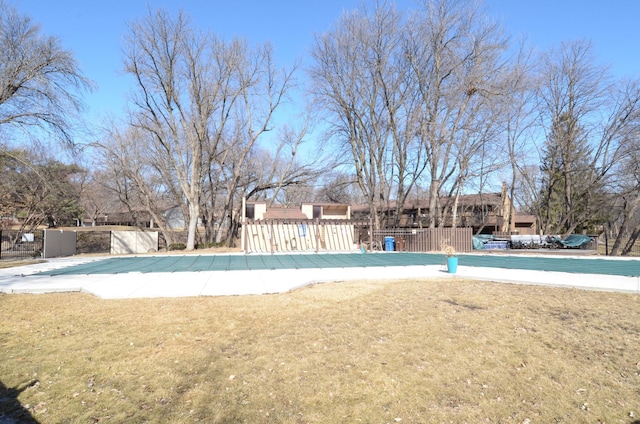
point(93, 30)
point(610, 24)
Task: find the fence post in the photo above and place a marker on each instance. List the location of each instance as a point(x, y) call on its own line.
point(271, 235)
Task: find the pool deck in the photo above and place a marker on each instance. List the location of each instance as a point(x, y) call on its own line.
point(94, 275)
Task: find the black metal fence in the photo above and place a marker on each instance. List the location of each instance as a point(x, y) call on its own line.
point(18, 244)
point(606, 244)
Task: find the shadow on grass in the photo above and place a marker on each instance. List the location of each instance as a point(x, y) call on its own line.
point(11, 410)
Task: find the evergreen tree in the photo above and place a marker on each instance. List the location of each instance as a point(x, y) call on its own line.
point(38, 191)
point(566, 175)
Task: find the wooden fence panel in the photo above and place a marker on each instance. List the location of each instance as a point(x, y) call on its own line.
point(270, 236)
point(428, 240)
point(460, 238)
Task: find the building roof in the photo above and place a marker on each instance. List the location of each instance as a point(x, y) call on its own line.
point(524, 219)
point(281, 212)
point(423, 202)
point(257, 202)
point(463, 200)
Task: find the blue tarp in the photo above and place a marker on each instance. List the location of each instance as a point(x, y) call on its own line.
point(573, 240)
point(480, 240)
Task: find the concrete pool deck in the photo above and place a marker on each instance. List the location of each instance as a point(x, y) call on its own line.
point(149, 276)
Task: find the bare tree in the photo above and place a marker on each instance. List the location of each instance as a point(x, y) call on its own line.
point(337, 187)
point(40, 88)
point(233, 167)
point(262, 174)
point(40, 81)
point(273, 176)
point(480, 158)
point(518, 123)
point(411, 97)
point(204, 103)
point(589, 120)
point(623, 194)
point(357, 80)
point(138, 176)
point(39, 189)
point(97, 198)
point(455, 54)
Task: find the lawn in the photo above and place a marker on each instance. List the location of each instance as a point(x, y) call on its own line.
point(18, 262)
point(406, 351)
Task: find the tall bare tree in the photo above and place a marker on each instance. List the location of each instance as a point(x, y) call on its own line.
point(137, 176)
point(40, 99)
point(359, 82)
point(589, 120)
point(409, 97)
point(455, 54)
point(261, 171)
point(204, 102)
point(623, 191)
point(518, 118)
point(40, 81)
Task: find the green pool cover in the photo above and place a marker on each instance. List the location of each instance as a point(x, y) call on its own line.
point(195, 263)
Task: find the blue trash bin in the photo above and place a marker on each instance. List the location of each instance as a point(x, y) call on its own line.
point(389, 244)
point(452, 265)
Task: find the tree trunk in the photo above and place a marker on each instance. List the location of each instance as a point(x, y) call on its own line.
point(433, 203)
point(194, 215)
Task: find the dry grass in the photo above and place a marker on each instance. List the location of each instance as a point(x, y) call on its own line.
point(369, 351)
point(10, 263)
